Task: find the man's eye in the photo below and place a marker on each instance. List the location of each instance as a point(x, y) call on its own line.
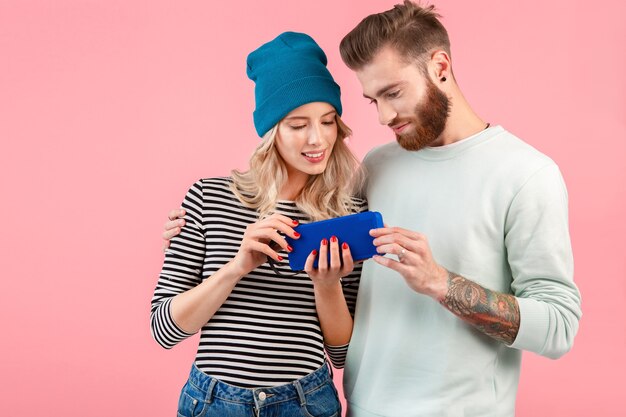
point(393, 94)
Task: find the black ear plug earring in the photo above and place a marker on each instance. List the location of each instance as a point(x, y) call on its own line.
point(443, 79)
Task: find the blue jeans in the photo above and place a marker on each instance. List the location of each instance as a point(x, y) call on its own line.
point(311, 396)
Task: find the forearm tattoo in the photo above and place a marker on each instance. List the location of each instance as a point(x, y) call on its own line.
point(493, 313)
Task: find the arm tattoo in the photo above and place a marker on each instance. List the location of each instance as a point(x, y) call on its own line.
point(494, 314)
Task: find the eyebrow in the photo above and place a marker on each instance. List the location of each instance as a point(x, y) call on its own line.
point(305, 117)
point(383, 90)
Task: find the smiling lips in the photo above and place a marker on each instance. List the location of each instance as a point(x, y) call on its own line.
point(399, 128)
point(314, 157)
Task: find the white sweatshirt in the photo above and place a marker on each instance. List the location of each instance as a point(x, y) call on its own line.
point(494, 210)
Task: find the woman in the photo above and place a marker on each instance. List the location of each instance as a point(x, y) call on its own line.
point(264, 333)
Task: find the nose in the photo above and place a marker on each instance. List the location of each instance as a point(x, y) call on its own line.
point(386, 113)
point(315, 134)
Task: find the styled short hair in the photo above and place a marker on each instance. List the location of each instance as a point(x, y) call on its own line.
point(413, 30)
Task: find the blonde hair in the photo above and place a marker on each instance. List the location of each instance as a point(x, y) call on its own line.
point(325, 195)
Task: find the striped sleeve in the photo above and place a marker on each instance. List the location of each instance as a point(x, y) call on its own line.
point(181, 271)
point(337, 354)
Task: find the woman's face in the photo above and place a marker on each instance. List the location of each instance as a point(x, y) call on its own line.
point(305, 139)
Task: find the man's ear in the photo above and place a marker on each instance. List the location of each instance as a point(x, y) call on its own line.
point(440, 67)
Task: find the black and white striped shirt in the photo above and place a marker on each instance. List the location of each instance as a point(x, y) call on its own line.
point(267, 332)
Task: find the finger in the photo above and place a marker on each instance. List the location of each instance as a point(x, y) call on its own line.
point(284, 219)
point(171, 224)
point(277, 224)
point(322, 263)
point(263, 248)
point(169, 234)
point(310, 260)
point(415, 243)
point(395, 238)
point(166, 244)
point(385, 231)
point(392, 248)
point(391, 264)
point(346, 255)
point(176, 214)
point(269, 235)
point(335, 262)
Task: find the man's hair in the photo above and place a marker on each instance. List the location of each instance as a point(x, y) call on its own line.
point(409, 28)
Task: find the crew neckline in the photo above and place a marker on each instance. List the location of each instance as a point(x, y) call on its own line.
point(457, 148)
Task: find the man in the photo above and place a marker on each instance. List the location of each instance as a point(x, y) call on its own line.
point(481, 239)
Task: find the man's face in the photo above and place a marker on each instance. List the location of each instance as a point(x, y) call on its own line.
point(407, 100)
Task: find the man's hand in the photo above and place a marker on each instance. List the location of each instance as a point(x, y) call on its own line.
point(415, 261)
point(172, 226)
point(493, 313)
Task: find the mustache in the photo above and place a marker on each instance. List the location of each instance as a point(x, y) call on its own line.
point(399, 121)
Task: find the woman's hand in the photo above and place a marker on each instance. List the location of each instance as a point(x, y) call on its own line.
point(330, 303)
point(328, 274)
point(172, 227)
point(259, 241)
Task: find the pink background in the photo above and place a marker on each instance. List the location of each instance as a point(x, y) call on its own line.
point(110, 109)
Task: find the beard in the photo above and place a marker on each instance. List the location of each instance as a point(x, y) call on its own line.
point(429, 120)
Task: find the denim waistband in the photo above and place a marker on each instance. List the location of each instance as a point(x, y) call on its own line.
point(258, 397)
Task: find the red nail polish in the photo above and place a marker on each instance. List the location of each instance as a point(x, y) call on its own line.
point(295, 222)
point(324, 242)
point(296, 234)
point(280, 258)
point(345, 245)
point(333, 238)
point(314, 252)
point(289, 248)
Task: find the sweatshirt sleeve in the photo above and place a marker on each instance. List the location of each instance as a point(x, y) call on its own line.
point(181, 271)
point(541, 261)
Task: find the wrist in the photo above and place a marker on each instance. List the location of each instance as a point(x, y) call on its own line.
point(440, 285)
point(322, 287)
point(233, 270)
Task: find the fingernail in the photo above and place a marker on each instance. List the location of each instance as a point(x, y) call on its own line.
point(182, 222)
point(280, 258)
point(314, 252)
point(296, 234)
point(295, 222)
point(333, 238)
point(345, 245)
point(289, 248)
point(324, 242)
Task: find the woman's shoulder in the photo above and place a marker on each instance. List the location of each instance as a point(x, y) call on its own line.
point(213, 186)
point(214, 183)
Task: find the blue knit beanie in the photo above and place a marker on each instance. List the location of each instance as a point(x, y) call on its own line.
point(289, 71)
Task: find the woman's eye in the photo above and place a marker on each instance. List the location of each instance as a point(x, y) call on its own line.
point(329, 122)
point(298, 127)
